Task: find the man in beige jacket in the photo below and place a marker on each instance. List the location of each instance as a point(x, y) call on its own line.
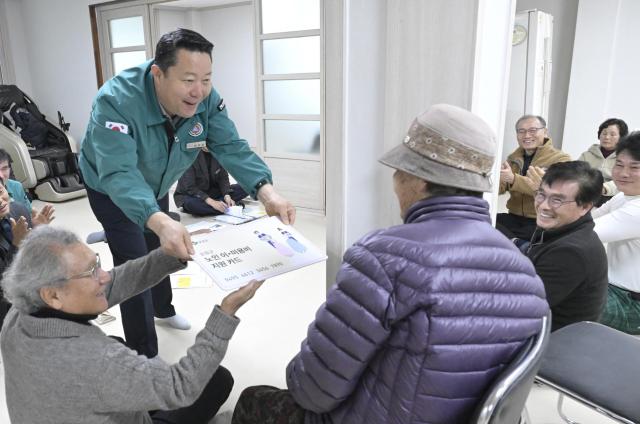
point(521, 173)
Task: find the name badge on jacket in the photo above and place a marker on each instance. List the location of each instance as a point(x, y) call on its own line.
point(197, 145)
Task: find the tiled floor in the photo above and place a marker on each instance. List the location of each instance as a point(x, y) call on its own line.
point(273, 323)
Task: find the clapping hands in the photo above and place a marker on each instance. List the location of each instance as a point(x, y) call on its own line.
point(534, 177)
point(19, 229)
point(506, 174)
point(43, 216)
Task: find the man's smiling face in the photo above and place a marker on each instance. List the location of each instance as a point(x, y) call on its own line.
point(182, 87)
point(531, 134)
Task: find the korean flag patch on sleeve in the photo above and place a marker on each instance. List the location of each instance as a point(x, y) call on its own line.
point(117, 126)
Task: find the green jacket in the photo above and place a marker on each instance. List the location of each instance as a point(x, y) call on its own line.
point(133, 165)
point(17, 193)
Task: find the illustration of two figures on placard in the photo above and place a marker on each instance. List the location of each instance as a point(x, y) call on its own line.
point(294, 245)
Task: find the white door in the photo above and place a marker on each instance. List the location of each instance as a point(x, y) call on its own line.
point(125, 38)
point(290, 90)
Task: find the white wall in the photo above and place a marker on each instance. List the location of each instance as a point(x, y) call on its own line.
point(430, 57)
point(58, 68)
point(16, 41)
point(564, 24)
point(169, 20)
point(605, 81)
point(364, 117)
point(230, 29)
point(490, 72)
point(624, 81)
point(401, 57)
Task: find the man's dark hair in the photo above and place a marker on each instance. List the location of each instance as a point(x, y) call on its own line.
point(622, 126)
point(525, 117)
point(589, 179)
point(169, 43)
point(435, 190)
point(4, 156)
point(630, 144)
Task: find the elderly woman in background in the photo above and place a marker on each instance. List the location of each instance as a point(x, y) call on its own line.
point(602, 156)
point(424, 315)
point(617, 223)
point(59, 368)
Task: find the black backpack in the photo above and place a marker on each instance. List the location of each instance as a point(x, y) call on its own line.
point(20, 114)
point(32, 130)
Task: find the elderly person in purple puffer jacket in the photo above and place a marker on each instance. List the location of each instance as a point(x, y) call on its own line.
point(424, 315)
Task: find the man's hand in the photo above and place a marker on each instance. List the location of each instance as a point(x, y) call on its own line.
point(42, 217)
point(534, 177)
point(229, 201)
point(19, 229)
point(506, 174)
point(174, 238)
point(276, 205)
point(235, 300)
point(216, 204)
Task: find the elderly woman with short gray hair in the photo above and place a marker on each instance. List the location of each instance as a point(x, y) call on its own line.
point(59, 368)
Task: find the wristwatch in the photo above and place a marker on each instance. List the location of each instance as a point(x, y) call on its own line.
point(262, 182)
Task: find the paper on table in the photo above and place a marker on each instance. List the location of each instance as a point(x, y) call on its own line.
point(193, 276)
point(254, 211)
point(234, 211)
point(204, 225)
point(234, 220)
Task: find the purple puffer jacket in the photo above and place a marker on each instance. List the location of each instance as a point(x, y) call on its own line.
point(423, 317)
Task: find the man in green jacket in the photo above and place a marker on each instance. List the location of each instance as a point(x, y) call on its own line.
point(147, 126)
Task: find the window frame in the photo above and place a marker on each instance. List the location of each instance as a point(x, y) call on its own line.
point(106, 13)
point(261, 78)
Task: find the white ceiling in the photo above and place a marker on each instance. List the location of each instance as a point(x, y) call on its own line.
point(198, 3)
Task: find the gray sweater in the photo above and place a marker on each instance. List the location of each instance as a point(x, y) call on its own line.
point(59, 371)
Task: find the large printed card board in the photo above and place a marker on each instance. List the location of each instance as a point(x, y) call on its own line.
point(264, 248)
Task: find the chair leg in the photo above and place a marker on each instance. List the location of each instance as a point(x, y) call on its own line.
point(562, 415)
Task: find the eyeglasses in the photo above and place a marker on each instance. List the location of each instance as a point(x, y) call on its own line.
point(530, 131)
point(554, 202)
point(93, 272)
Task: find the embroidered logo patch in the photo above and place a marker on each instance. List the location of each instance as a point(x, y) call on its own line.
point(117, 126)
point(221, 105)
point(196, 130)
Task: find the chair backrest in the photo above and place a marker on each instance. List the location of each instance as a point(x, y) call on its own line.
point(504, 401)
